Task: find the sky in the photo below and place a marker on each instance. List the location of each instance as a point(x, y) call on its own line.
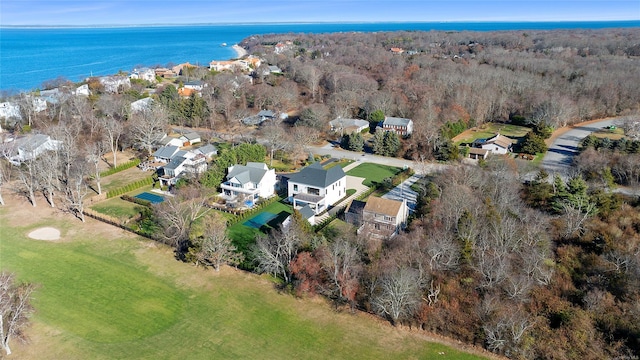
point(144, 12)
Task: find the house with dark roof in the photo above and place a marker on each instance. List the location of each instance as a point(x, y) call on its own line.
point(248, 183)
point(384, 218)
point(208, 150)
point(400, 126)
point(30, 147)
point(181, 163)
point(317, 187)
point(353, 213)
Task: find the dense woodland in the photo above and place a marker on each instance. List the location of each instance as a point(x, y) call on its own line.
point(546, 269)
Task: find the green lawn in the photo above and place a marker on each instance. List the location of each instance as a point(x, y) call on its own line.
point(118, 208)
point(123, 178)
point(490, 129)
point(373, 173)
point(243, 236)
point(104, 296)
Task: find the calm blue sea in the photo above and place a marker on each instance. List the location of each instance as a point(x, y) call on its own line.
point(30, 56)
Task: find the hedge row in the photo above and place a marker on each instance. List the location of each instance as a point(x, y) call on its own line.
point(254, 210)
point(136, 200)
point(130, 187)
point(121, 167)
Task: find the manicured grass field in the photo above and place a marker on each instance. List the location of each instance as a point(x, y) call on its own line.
point(490, 129)
point(373, 173)
point(123, 178)
point(118, 208)
point(105, 295)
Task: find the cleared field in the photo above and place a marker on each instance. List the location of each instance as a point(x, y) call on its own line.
point(373, 173)
point(490, 129)
point(109, 295)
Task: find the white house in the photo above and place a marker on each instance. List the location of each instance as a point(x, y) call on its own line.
point(249, 183)
point(142, 105)
point(498, 144)
point(144, 74)
point(82, 90)
point(347, 126)
point(196, 85)
point(207, 150)
point(30, 147)
point(165, 153)
point(183, 162)
point(317, 187)
point(400, 126)
point(167, 140)
point(190, 138)
point(9, 110)
point(115, 84)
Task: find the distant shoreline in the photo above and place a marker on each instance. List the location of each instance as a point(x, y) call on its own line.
point(240, 51)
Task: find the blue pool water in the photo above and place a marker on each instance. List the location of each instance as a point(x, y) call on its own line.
point(155, 199)
point(259, 220)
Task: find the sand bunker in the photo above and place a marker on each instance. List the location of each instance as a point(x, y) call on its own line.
point(45, 233)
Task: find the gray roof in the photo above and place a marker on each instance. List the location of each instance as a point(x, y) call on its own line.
point(166, 152)
point(315, 175)
point(207, 150)
point(252, 172)
point(266, 113)
point(356, 207)
point(191, 135)
point(343, 123)
point(175, 162)
point(395, 121)
point(33, 142)
point(306, 212)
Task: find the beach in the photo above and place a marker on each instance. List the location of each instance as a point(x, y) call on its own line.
point(240, 51)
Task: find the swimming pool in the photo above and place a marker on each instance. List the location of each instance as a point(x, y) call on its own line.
point(155, 199)
point(259, 220)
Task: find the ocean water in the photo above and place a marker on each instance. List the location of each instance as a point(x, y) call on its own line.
point(31, 56)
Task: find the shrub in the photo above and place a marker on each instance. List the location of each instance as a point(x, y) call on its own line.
point(121, 167)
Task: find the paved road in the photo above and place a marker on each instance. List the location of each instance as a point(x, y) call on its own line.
point(559, 158)
point(338, 153)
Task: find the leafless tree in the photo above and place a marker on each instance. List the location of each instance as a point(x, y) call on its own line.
point(113, 130)
point(397, 295)
point(178, 214)
point(215, 247)
point(15, 309)
point(147, 127)
point(276, 139)
point(47, 169)
point(342, 263)
point(95, 152)
point(28, 180)
point(272, 253)
point(76, 187)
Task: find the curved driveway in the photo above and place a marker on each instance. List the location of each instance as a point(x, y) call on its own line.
point(560, 155)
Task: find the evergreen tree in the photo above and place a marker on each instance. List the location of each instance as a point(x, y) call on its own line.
point(356, 142)
point(391, 143)
point(378, 143)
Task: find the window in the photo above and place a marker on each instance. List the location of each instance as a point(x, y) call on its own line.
point(388, 218)
point(295, 187)
point(313, 191)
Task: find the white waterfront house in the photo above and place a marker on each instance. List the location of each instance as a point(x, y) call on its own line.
point(317, 187)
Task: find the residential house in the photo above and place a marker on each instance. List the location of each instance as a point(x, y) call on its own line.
point(190, 138)
point(263, 115)
point(115, 84)
point(208, 150)
point(196, 85)
point(183, 162)
point(400, 126)
point(166, 140)
point(142, 105)
point(384, 218)
point(397, 50)
point(274, 69)
point(179, 69)
point(82, 90)
point(248, 183)
point(10, 111)
point(499, 144)
point(187, 92)
point(30, 147)
point(221, 65)
point(165, 73)
point(165, 153)
point(478, 153)
point(144, 74)
point(317, 187)
point(348, 126)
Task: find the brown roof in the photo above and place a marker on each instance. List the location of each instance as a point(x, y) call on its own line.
point(478, 151)
point(383, 206)
point(500, 140)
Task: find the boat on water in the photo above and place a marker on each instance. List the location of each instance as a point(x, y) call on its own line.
point(223, 44)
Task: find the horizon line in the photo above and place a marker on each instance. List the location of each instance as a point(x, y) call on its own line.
point(244, 23)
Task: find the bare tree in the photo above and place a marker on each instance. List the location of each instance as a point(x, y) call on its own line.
point(276, 139)
point(147, 127)
point(341, 261)
point(15, 309)
point(214, 246)
point(113, 130)
point(47, 169)
point(28, 180)
point(178, 214)
point(398, 294)
point(76, 188)
point(95, 152)
point(273, 253)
